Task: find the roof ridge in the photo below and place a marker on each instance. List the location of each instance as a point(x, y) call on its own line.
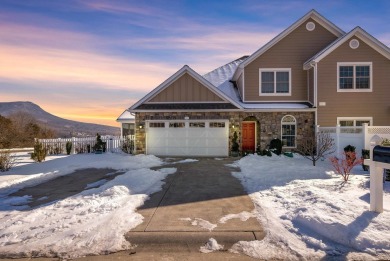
point(243, 58)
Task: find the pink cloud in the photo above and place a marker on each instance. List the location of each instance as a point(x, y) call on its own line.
point(56, 65)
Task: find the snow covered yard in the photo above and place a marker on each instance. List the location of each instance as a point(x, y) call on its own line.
point(308, 214)
point(91, 222)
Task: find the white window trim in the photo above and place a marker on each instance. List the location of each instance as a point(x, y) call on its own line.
point(275, 70)
point(354, 119)
point(281, 131)
point(354, 64)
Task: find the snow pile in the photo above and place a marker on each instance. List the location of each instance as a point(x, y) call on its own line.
point(25, 175)
point(309, 214)
point(89, 223)
point(211, 246)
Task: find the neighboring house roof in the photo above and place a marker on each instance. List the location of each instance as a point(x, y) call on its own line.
point(313, 14)
point(125, 116)
point(175, 76)
point(358, 32)
point(221, 78)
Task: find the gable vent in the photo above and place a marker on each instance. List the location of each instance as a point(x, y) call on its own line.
point(310, 26)
point(354, 43)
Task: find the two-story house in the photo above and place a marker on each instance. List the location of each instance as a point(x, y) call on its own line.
point(313, 73)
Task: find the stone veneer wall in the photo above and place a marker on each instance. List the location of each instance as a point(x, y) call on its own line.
point(268, 124)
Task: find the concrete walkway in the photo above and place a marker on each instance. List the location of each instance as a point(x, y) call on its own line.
point(187, 211)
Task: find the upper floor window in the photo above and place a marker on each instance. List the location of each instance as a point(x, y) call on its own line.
point(275, 81)
point(354, 77)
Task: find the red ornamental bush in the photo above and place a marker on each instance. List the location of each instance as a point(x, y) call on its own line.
point(345, 163)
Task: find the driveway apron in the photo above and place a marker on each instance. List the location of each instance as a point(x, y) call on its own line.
point(191, 204)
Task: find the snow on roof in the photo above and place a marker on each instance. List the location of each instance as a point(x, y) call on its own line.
point(126, 115)
point(221, 77)
point(224, 73)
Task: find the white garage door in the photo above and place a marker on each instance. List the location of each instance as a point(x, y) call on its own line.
point(187, 138)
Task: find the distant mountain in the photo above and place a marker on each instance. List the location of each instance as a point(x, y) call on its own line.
point(63, 127)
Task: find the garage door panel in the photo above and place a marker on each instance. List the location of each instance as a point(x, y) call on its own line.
point(187, 141)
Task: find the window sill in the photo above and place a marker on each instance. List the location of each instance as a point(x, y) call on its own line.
point(354, 90)
point(275, 94)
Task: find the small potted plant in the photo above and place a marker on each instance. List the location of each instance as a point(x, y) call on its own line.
point(235, 146)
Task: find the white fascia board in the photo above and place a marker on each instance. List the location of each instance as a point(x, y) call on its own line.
point(281, 110)
point(237, 73)
point(312, 14)
point(373, 43)
point(191, 110)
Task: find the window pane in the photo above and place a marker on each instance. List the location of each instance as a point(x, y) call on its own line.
point(346, 71)
point(346, 123)
point(281, 76)
point(267, 76)
point(267, 82)
point(288, 135)
point(282, 87)
point(197, 124)
point(157, 125)
point(267, 87)
point(362, 77)
point(217, 125)
point(362, 83)
point(282, 82)
point(360, 123)
point(176, 125)
point(362, 71)
point(346, 83)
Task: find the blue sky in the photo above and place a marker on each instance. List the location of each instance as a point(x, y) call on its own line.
point(90, 60)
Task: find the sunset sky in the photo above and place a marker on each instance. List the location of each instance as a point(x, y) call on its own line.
point(90, 60)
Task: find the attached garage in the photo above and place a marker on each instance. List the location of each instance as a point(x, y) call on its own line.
point(188, 138)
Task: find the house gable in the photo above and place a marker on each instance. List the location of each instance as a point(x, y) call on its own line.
point(313, 14)
point(356, 32)
point(287, 54)
point(185, 90)
point(355, 103)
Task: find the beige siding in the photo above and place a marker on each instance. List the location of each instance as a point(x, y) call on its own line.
point(310, 75)
point(290, 52)
point(374, 104)
point(186, 89)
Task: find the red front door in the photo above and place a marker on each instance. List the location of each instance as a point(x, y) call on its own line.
point(248, 136)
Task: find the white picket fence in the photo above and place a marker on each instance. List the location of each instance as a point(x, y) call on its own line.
point(86, 144)
point(359, 137)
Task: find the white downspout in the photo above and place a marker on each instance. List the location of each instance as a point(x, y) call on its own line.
point(314, 66)
point(315, 93)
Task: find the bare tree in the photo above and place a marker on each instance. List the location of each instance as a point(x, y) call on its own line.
point(316, 147)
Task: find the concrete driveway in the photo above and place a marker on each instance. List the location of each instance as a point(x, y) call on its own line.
point(194, 205)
